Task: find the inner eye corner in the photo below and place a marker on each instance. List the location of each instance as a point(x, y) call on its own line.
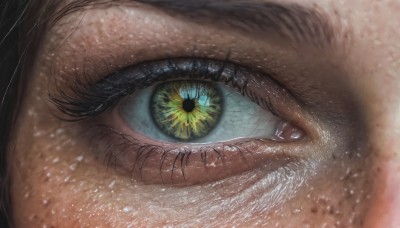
point(187, 112)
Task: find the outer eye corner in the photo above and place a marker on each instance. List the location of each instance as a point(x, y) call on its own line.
point(179, 120)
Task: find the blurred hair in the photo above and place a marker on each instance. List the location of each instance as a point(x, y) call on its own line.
point(21, 25)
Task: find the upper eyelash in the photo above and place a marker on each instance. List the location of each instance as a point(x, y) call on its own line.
point(87, 99)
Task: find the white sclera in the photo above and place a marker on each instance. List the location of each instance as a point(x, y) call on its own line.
point(241, 118)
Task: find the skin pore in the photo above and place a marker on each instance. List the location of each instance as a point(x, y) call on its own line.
point(343, 94)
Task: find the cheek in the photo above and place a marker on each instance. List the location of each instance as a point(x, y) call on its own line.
point(56, 184)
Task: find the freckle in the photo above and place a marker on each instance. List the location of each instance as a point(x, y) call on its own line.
point(314, 210)
point(33, 217)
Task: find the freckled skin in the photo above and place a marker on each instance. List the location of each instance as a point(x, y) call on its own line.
point(58, 182)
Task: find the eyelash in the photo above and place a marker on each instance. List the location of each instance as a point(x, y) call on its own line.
point(123, 144)
point(87, 99)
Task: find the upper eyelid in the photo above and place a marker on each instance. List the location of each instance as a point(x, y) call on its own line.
point(84, 105)
point(102, 94)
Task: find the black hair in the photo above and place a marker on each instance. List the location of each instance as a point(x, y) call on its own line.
point(19, 29)
point(10, 56)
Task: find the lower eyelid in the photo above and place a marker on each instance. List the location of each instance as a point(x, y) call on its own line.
point(180, 165)
point(154, 162)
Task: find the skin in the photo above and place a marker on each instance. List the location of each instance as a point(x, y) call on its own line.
point(347, 173)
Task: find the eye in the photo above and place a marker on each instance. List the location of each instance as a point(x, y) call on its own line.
point(187, 121)
point(197, 112)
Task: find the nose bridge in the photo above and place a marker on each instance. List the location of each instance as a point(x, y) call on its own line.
point(384, 208)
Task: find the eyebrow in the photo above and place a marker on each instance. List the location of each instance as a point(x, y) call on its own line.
point(259, 18)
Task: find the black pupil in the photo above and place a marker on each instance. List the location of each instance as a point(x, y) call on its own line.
point(188, 105)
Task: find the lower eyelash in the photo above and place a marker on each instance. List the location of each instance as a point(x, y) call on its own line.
point(115, 145)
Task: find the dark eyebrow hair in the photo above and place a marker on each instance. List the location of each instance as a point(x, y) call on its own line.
point(259, 18)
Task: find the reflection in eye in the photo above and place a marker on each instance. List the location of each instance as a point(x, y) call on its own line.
point(186, 110)
point(197, 112)
point(185, 121)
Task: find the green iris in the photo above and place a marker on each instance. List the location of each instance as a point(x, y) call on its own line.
point(186, 110)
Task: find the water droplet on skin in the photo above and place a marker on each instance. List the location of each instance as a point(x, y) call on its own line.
point(59, 131)
point(296, 211)
point(66, 180)
point(37, 134)
point(45, 202)
point(80, 158)
point(31, 113)
point(73, 167)
point(112, 184)
point(127, 209)
point(55, 160)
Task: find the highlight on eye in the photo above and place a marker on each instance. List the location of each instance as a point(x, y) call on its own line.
point(185, 121)
point(186, 110)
